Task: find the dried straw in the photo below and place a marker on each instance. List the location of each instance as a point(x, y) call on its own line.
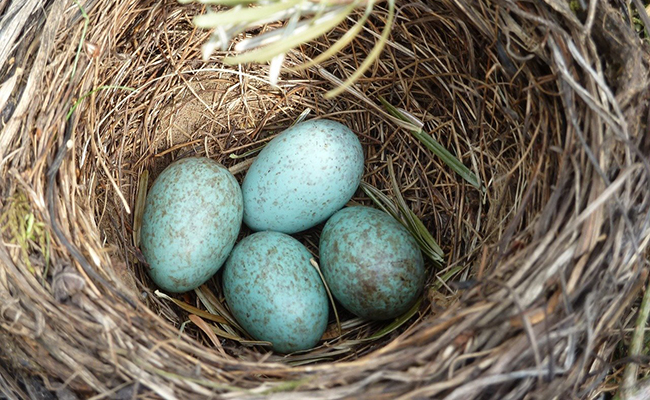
point(547, 105)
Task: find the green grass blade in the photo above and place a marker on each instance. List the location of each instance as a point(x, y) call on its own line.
point(211, 304)
point(340, 44)
point(266, 53)
point(248, 153)
point(422, 233)
point(104, 87)
point(238, 15)
point(138, 210)
point(446, 276)
point(83, 38)
point(329, 294)
point(399, 321)
point(191, 309)
point(372, 56)
point(411, 222)
point(433, 145)
point(287, 386)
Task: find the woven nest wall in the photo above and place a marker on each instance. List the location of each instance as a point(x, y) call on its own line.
point(546, 103)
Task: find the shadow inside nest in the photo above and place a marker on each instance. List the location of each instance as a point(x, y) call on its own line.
point(457, 89)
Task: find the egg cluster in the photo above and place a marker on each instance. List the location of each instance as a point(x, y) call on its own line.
point(303, 177)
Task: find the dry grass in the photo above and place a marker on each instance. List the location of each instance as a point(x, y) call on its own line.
point(548, 108)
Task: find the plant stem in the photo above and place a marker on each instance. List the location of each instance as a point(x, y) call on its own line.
point(631, 370)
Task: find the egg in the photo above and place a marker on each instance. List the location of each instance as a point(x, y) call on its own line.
point(275, 293)
point(192, 216)
point(371, 263)
point(302, 177)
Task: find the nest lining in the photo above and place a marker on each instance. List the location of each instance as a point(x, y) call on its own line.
point(539, 269)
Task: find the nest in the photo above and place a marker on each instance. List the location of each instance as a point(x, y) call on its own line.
point(545, 102)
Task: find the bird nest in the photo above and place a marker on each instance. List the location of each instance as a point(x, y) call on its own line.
point(544, 103)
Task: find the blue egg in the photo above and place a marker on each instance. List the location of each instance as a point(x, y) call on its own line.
point(275, 293)
point(302, 177)
point(191, 220)
point(371, 263)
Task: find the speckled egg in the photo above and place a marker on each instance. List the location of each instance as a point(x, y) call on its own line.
point(302, 177)
point(371, 263)
point(191, 220)
point(275, 293)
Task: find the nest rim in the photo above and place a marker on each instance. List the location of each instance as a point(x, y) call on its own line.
point(443, 333)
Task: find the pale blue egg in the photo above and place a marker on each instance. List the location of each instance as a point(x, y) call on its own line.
point(191, 220)
point(371, 263)
point(302, 177)
point(275, 293)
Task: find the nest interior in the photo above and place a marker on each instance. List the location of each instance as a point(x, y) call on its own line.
point(546, 104)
